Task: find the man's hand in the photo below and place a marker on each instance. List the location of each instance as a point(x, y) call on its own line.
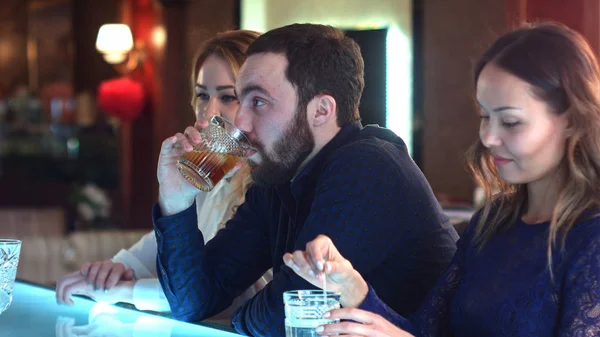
point(175, 193)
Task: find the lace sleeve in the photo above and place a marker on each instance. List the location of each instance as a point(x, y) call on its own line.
point(580, 314)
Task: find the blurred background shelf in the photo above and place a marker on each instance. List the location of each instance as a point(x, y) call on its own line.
point(60, 153)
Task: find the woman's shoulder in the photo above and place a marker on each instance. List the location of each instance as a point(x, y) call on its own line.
point(582, 247)
point(587, 227)
point(582, 239)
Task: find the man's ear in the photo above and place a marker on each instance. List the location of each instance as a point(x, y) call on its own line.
point(325, 111)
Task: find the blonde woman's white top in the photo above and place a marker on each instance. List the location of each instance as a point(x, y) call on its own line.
point(213, 211)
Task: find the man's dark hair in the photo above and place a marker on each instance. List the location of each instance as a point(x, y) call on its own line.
point(321, 60)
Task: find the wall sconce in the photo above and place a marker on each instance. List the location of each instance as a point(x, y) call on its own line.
point(115, 42)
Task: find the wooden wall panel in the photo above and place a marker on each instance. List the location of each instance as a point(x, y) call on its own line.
point(455, 33)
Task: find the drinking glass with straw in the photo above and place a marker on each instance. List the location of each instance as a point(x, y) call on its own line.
point(304, 310)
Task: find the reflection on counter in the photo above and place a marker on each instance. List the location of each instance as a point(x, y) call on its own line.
point(34, 312)
point(106, 321)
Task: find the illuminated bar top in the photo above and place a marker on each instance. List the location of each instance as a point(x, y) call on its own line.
point(34, 312)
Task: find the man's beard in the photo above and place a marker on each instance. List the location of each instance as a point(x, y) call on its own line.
point(290, 150)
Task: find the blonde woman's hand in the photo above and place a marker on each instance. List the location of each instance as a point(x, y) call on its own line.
point(76, 283)
point(103, 275)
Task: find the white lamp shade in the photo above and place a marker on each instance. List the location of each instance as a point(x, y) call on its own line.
point(114, 41)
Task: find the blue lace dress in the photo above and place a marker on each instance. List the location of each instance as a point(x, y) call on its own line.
point(506, 289)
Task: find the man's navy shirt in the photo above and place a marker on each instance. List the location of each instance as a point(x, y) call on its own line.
point(362, 190)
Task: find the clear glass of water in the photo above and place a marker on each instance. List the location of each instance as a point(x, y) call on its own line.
point(304, 311)
point(9, 260)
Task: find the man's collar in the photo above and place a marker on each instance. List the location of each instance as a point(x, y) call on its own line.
point(339, 140)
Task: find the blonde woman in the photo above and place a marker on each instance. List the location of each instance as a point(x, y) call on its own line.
point(529, 263)
point(130, 276)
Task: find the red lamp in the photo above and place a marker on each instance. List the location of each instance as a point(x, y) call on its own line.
point(123, 98)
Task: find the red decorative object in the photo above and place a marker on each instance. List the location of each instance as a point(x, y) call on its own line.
point(123, 98)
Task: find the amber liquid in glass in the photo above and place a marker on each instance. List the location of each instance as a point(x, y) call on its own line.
point(204, 169)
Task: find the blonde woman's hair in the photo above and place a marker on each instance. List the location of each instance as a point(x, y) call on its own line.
point(561, 67)
point(231, 46)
